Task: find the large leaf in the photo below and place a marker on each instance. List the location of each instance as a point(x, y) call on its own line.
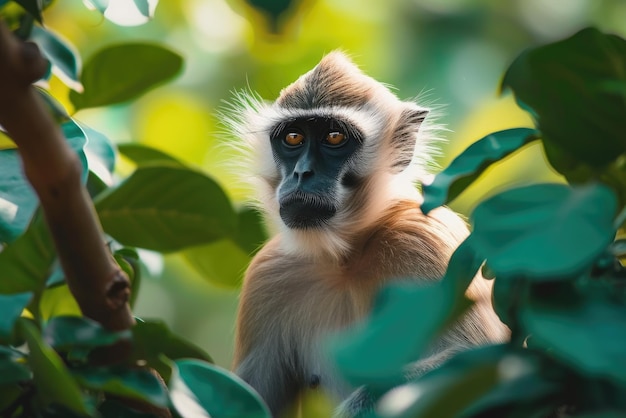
point(52, 379)
point(375, 352)
point(251, 233)
point(142, 154)
point(11, 307)
point(576, 90)
point(100, 152)
point(166, 208)
point(122, 72)
point(222, 262)
point(64, 58)
point(199, 389)
point(128, 383)
point(573, 332)
point(546, 231)
point(468, 166)
point(25, 264)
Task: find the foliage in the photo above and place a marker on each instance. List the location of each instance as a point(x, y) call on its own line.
point(551, 247)
point(49, 364)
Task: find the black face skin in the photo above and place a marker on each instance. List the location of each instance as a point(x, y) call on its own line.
point(310, 153)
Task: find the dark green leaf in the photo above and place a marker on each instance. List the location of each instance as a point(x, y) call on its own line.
point(120, 73)
point(222, 262)
point(468, 166)
point(52, 379)
point(273, 10)
point(375, 352)
point(57, 275)
point(563, 81)
point(67, 332)
point(196, 387)
point(128, 383)
point(152, 339)
point(25, 264)
point(33, 7)
point(251, 232)
point(61, 54)
point(166, 208)
point(448, 390)
point(547, 231)
point(573, 332)
point(12, 367)
point(142, 154)
point(11, 307)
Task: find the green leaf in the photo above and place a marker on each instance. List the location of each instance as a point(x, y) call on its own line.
point(67, 332)
point(56, 109)
point(166, 208)
point(222, 262)
point(62, 55)
point(17, 198)
point(153, 339)
point(572, 332)
point(100, 151)
point(100, 5)
point(52, 379)
point(143, 7)
point(463, 379)
point(273, 10)
point(546, 231)
point(472, 162)
point(128, 259)
point(375, 352)
point(113, 409)
point(25, 264)
point(128, 383)
point(12, 368)
point(570, 87)
point(119, 73)
point(142, 155)
point(251, 233)
point(33, 7)
point(11, 307)
point(200, 389)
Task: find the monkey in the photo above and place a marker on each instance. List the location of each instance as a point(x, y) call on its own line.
point(335, 160)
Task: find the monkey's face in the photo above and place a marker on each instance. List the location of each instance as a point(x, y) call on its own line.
point(312, 156)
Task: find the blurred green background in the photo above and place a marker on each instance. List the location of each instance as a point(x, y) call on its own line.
point(451, 53)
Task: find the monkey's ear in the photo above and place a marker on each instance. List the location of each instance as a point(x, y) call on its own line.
point(405, 135)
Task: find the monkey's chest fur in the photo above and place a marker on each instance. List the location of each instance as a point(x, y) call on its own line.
point(288, 309)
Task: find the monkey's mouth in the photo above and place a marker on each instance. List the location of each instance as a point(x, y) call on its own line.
point(302, 210)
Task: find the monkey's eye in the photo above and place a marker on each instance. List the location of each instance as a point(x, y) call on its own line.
point(294, 139)
point(335, 138)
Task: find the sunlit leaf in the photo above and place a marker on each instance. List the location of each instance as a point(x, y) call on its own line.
point(574, 88)
point(52, 379)
point(166, 208)
point(11, 307)
point(99, 150)
point(471, 163)
point(199, 389)
point(128, 383)
point(546, 231)
point(119, 73)
point(62, 55)
point(26, 263)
